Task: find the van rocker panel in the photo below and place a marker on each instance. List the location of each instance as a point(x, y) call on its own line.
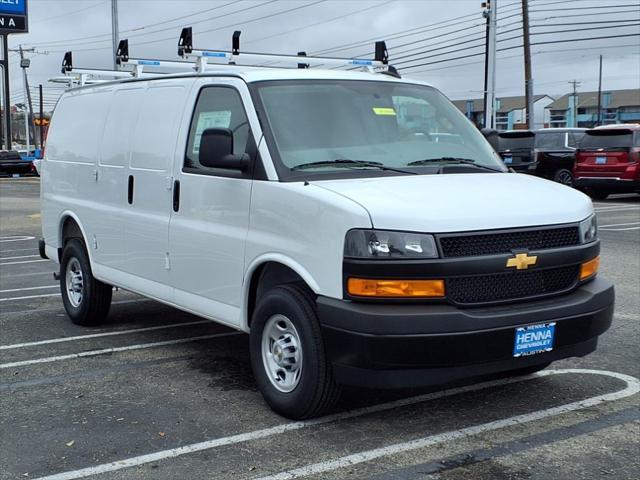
point(417, 345)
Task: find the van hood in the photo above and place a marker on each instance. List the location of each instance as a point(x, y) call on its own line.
point(462, 202)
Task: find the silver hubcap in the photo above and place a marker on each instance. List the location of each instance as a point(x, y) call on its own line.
point(73, 282)
point(282, 353)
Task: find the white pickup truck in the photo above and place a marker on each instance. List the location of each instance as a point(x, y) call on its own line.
point(356, 225)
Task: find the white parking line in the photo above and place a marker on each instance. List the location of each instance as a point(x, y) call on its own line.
point(104, 334)
point(625, 229)
point(29, 288)
point(24, 261)
point(619, 224)
point(16, 238)
point(28, 297)
point(21, 256)
point(633, 386)
point(104, 351)
point(617, 209)
point(40, 310)
point(19, 250)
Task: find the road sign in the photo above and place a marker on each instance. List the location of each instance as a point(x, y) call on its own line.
point(13, 16)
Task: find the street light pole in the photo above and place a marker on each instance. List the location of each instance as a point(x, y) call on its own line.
point(114, 31)
point(528, 80)
point(489, 108)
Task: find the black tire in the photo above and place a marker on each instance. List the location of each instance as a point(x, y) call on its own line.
point(597, 194)
point(95, 297)
point(528, 370)
point(316, 390)
point(563, 176)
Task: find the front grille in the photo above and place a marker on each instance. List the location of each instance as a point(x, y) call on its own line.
point(474, 245)
point(511, 285)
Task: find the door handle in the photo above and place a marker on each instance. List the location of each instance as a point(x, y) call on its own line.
point(176, 195)
point(130, 190)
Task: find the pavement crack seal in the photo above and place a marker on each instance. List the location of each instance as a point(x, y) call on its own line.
point(632, 388)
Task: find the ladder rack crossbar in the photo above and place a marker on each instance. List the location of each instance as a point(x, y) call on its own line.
point(217, 55)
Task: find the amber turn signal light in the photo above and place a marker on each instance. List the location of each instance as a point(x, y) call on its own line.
point(589, 269)
point(364, 287)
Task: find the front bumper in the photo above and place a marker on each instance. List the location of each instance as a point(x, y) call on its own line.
point(614, 185)
point(398, 346)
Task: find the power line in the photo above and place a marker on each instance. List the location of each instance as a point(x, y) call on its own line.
point(520, 46)
point(404, 33)
point(372, 7)
point(68, 40)
point(586, 15)
point(515, 37)
point(213, 29)
point(583, 8)
point(68, 14)
point(539, 52)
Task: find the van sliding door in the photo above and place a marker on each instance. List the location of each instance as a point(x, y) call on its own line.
point(148, 188)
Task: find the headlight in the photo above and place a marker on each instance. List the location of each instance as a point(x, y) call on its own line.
point(388, 244)
point(588, 230)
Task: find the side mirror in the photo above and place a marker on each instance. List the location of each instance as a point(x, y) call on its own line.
point(216, 150)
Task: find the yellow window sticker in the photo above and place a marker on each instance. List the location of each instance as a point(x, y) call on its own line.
point(384, 111)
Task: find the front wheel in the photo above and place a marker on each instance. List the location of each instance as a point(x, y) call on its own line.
point(86, 300)
point(288, 356)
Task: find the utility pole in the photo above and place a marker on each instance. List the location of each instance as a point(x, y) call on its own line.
point(41, 116)
point(114, 31)
point(528, 80)
point(599, 117)
point(491, 13)
point(485, 13)
point(574, 109)
point(5, 91)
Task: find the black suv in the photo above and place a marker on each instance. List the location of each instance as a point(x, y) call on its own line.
point(515, 147)
point(555, 153)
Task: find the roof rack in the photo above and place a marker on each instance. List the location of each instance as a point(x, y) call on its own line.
point(198, 60)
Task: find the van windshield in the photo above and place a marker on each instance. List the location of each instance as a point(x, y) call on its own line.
point(322, 126)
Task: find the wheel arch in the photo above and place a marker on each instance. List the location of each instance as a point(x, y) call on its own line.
point(70, 226)
point(269, 271)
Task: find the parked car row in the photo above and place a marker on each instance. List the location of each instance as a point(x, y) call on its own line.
point(600, 161)
point(13, 162)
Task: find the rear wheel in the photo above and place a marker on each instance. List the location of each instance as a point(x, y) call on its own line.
point(86, 300)
point(288, 356)
point(563, 176)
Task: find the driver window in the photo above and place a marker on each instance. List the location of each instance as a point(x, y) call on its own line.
point(217, 107)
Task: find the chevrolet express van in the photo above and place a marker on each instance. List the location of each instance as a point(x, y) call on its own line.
point(356, 225)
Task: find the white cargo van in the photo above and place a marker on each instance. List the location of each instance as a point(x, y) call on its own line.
point(356, 225)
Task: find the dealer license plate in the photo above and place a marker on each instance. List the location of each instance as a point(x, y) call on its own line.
point(601, 160)
point(507, 159)
point(534, 339)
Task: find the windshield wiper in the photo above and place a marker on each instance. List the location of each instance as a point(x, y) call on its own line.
point(339, 162)
point(454, 161)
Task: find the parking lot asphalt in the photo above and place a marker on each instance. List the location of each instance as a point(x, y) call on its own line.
point(160, 394)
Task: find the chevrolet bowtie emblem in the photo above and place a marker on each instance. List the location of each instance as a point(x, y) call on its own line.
point(521, 261)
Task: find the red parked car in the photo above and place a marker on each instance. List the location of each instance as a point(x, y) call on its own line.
point(607, 161)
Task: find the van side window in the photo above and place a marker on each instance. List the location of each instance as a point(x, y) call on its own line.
point(217, 107)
